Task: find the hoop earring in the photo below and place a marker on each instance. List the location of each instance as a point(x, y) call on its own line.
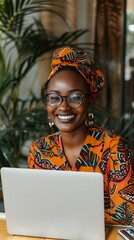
point(89, 121)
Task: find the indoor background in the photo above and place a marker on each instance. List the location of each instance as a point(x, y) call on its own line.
point(29, 33)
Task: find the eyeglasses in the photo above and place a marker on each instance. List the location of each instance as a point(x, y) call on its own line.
point(74, 100)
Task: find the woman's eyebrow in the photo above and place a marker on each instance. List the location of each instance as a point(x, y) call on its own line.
point(73, 90)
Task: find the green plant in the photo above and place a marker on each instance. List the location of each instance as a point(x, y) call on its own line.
point(22, 43)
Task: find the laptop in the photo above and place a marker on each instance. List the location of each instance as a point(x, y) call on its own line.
point(54, 204)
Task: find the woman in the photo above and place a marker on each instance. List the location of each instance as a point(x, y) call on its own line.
point(72, 86)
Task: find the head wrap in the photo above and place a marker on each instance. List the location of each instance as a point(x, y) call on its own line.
point(69, 57)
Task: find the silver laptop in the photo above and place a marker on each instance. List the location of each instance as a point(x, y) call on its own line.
point(54, 204)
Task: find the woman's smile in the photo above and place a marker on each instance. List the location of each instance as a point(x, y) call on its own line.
point(65, 118)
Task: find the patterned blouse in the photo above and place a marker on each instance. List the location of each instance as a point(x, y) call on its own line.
point(103, 151)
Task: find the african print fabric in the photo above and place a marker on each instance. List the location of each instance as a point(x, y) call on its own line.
point(103, 151)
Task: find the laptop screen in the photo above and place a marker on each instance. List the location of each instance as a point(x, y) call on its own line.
point(54, 204)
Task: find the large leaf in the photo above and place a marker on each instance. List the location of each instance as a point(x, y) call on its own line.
point(13, 13)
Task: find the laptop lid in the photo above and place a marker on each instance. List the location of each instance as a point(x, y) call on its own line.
point(54, 204)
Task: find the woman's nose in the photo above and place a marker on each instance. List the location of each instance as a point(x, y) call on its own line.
point(64, 104)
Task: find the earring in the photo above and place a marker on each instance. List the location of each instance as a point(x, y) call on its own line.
point(89, 121)
point(50, 123)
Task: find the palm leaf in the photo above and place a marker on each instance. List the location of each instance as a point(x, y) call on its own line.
point(13, 13)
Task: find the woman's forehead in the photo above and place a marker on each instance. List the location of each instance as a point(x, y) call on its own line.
point(67, 80)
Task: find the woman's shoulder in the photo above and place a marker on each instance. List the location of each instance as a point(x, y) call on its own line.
point(47, 139)
point(100, 132)
point(111, 140)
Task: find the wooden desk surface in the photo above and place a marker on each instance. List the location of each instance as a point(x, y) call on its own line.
point(112, 234)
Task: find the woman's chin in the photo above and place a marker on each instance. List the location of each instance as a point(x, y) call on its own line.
point(65, 128)
point(68, 128)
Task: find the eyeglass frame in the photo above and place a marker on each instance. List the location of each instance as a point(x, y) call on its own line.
point(82, 96)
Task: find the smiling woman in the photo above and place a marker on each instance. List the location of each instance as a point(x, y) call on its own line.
point(78, 145)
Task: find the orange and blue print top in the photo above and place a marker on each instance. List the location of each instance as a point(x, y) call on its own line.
point(103, 151)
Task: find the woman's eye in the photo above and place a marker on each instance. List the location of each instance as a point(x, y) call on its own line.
point(54, 98)
point(75, 98)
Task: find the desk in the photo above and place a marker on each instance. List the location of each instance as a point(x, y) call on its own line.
point(112, 234)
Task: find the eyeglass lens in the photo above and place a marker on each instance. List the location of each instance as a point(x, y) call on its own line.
point(73, 100)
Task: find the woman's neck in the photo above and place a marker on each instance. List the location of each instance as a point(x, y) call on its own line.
point(74, 138)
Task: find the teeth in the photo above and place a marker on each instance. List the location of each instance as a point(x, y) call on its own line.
point(65, 117)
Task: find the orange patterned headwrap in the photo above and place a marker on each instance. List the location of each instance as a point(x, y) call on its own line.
point(69, 57)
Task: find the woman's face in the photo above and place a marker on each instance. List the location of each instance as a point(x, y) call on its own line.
point(64, 117)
